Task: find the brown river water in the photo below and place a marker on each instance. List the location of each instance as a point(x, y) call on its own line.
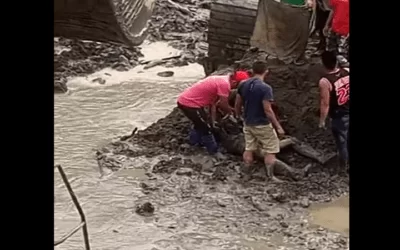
point(92, 115)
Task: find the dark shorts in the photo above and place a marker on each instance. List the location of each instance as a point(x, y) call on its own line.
point(198, 116)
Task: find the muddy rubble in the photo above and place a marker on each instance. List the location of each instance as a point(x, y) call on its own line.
point(216, 192)
point(183, 23)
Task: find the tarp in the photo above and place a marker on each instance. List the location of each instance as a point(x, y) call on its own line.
point(282, 30)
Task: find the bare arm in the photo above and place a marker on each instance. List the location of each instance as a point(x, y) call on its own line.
point(271, 115)
point(324, 100)
point(224, 105)
point(311, 3)
point(238, 105)
point(213, 113)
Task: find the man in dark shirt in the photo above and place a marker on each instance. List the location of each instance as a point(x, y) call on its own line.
point(260, 123)
point(334, 89)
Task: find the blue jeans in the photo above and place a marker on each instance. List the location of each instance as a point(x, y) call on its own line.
point(340, 130)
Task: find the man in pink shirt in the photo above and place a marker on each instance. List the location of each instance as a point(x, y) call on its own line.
point(205, 94)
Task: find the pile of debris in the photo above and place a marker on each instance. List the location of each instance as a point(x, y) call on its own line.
point(78, 58)
point(184, 24)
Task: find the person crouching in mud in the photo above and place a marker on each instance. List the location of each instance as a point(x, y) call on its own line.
point(260, 123)
point(205, 94)
point(334, 89)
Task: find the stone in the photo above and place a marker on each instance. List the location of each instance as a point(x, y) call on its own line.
point(165, 73)
point(145, 209)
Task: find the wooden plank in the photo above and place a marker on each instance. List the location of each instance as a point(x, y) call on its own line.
point(231, 25)
point(229, 32)
point(232, 18)
point(242, 4)
point(234, 10)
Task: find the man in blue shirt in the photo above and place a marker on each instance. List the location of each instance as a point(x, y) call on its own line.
point(260, 123)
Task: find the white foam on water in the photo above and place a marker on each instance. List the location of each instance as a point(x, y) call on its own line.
point(151, 51)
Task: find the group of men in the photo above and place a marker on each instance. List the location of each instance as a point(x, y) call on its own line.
point(254, 100)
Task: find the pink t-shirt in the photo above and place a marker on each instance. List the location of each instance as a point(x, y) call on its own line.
point(205, 92)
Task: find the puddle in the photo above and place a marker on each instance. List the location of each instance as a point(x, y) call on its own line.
point(333, 215)
point(275, 242)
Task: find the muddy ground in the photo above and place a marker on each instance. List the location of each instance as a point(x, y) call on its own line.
point(214, 190)
point(185, 173)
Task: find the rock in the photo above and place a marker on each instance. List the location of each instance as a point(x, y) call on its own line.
point(60, 87)
point(184, 171)
point(304, 203)
point(284, 224)
point(99, 80)
point(124, 60)
point(221, 203)
point(145, 209)
point(165, 73)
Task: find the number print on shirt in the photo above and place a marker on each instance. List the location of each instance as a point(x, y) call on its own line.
point(342, 88)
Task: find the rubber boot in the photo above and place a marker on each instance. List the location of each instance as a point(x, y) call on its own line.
point(194, 137)
point(270, 173)
point(209, 142)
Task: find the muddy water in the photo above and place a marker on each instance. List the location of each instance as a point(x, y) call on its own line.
point(334, 215)
point(92, 115)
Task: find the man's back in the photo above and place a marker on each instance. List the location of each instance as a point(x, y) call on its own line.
point(253, 92)
point(205, 92)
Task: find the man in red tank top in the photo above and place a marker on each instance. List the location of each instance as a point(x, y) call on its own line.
point(337, 29)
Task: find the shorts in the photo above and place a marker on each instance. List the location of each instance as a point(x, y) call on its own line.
point(261, 137)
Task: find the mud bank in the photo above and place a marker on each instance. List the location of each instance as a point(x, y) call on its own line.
point(181, 23)
point(215, 190)
point(78, 58)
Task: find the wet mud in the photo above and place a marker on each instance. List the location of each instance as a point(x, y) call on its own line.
point(183, 23)
point(216, 191)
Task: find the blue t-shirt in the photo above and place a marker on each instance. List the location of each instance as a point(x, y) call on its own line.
point(253, 92)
